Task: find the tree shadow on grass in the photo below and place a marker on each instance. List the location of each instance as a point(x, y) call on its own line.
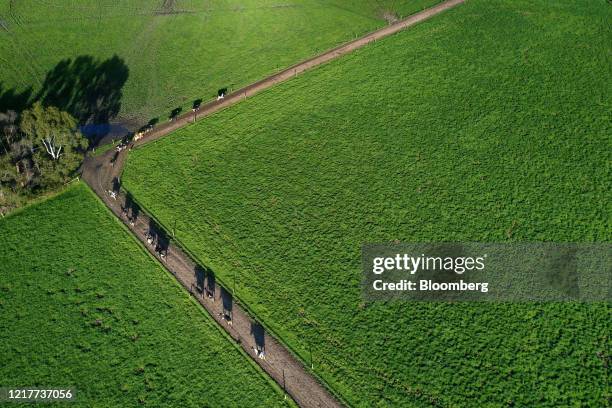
point(88, 88)
point(12, 100)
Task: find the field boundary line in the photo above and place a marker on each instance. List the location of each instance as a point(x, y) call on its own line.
point(294, 70)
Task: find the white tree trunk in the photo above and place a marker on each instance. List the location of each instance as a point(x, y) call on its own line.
point(52, 148)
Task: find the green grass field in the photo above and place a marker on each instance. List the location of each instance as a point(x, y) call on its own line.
point(182, 50)
point(83, 305)
point(490, 122)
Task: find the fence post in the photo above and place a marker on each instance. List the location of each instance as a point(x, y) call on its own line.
point(311, 360)
point(284, 385)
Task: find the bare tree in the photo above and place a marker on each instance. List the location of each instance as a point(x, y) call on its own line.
point(53, 129)
point(57, 145)
point(52, 145)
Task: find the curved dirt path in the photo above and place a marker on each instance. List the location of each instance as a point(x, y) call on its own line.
point(103, 174)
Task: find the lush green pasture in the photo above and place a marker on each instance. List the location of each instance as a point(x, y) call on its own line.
point(83, 305)
point(490, 122)
point(177, 51)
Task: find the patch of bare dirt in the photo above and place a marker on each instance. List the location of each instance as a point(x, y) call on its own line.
point(389, 16)
point(168, 5)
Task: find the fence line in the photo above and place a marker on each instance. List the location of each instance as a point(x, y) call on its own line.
point(290, 371)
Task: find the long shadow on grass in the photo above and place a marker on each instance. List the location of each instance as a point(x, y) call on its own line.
point(12, 100)
point(88, 88)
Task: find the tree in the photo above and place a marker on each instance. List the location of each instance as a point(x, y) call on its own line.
point(43, 151)
point(8, 130)
point(57, 145)
point(17, 173)
point(40, 149)
point(53, 129)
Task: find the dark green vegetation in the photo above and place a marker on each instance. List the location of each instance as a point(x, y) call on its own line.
point(490, 122)
point(176, 51)
point(39, 151)
point(83, 305)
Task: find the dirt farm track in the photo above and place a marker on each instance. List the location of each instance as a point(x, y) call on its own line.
point(103, 174)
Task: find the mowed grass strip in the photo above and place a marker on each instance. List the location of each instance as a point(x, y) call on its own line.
point(490, 122)
point(83, 305)
point(178, 51)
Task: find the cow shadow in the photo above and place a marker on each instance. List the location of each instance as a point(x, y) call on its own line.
point(228, 304)
point(175, 113)
point(116, 185)
point(200, 277)
point(259, 335)
point(131, 209)
point(151, 234)
point(163, 242)
point(149, 126)
point(158, 239)
point(211, 284)
point(206, 282)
